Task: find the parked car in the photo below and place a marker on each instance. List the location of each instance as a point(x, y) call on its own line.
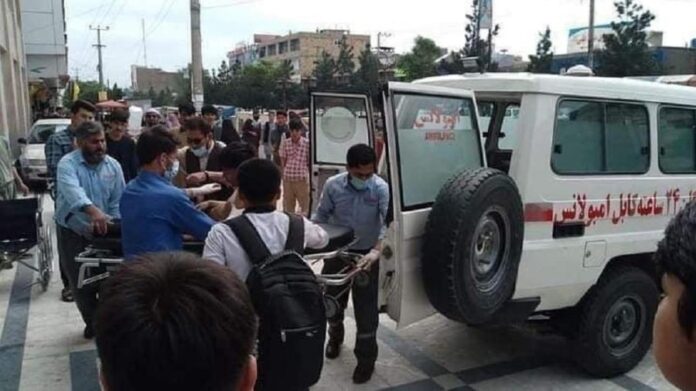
point(550, 205)
point(32, 159)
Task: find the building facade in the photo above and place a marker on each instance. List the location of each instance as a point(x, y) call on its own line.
point(302, 49)
point(43, 31)
point(672, 60)
point(14, 97)
point(143, 78)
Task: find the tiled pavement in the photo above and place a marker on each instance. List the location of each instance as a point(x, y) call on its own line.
point(41, 348)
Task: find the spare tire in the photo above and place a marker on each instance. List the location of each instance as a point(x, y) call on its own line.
point(473, 245)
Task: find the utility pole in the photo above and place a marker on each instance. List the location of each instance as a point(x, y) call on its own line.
point(99, 47)
point(144, 43)
point(590, 37)
point(76, 70)
point(196, 56)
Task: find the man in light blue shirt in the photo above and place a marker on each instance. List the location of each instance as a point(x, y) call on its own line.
point(89, 186)
point(358, 199)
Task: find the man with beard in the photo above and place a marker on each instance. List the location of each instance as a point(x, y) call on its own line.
point(89, 187)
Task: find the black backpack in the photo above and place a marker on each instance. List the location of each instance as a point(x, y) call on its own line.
point(290, 306)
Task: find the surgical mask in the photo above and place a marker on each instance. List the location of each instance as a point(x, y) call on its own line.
point(358, 184)
point(171, 171)
point(200, 152)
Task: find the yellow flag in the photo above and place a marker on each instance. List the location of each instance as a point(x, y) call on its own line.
point(76, 91)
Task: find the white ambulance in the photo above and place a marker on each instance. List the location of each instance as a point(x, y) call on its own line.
point(519, 195)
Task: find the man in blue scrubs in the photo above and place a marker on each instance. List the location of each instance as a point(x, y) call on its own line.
point(154, 213)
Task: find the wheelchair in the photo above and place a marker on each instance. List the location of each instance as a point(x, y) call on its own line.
point(21, 229)
point(103, 256)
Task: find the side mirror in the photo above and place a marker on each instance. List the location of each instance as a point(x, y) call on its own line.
point(22, 141)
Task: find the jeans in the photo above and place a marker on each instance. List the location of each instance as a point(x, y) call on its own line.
point(366, 310)
point(70, 245)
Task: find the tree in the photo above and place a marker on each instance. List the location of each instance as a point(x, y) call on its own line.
point(420, 62)
point(541, 62)
point(366, 78)
point(324, 71)
point(476, 46)
point(626, 50)
point(345, 66)
point(284, 76)
point(116, 93)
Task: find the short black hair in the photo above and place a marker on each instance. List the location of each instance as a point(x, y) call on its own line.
point(209, 109)
point(281, 113)
point(187, 109)
point(172, 321)
point(361, 155)
point(296, 124)
point(259, 180)
point(236, 153)
point(87, 129)
point(119, 116)
point(154, 142)
point(197, 123)
point(676, 256)
point(83, 104)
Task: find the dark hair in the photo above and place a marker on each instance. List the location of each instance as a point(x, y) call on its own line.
point(172, 321)
point(119, 116)
point(197, 123)
point(248, 126)
point(676, 255)
point(154, 142)
point(281, 113)
point(187, 109)
point(236, 153)
point(84, 105)
point(209, 109)
point(361, 155)
point(228, 125)
point(296, 124)
point(87, 129)
point(259, 180)
point(293, 115)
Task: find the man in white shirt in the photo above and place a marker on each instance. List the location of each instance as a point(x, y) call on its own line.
point(259, 190)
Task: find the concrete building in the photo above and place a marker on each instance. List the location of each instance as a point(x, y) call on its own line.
point(14, 97)
point(43, 31)
point(302, 49)
point(143, 78)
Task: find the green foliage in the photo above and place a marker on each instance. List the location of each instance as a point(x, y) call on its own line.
point(345, 64)
point(324, 72)
point(366, 78)
point(476, 46)
point(626, 51)
point(541, 62)
point(420, 62)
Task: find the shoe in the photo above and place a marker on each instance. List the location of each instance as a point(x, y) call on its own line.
point(88, 333)
point(66, 295)
point(6, 266)
point(363, 373)
point(333, 349)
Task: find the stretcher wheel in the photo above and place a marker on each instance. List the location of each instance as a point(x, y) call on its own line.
point(331, 306)
point(362, 279)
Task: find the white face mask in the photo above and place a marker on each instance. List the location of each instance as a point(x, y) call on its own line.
point(171, 171)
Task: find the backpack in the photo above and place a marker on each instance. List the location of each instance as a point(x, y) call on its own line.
point(290, 306)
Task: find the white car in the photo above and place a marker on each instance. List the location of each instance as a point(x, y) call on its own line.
point(33, 158)
point(519, 195)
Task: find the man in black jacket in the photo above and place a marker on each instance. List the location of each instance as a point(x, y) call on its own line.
point(120, 146)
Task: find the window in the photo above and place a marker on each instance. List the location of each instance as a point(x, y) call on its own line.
point(594, 137)
point(509, 130)
point(340, 123)
point(295, 45)
point(272, 50)
point(486, 111)
point(677, 140)
point(436, 137)
point(282, 47)
point(262, 52)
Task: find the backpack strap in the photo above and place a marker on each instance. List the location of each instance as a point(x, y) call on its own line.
point(295, 240)
point(249, 239)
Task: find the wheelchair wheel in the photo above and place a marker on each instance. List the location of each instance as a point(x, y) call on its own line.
point(45, 257)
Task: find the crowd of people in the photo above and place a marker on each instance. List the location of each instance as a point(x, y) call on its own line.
point(176, 320)
point(177, 184)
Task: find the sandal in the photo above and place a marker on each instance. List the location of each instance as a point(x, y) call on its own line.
point(66, 295)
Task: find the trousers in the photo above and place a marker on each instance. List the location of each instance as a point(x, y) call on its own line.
point(366, 306)
point(70, 245)
point(296, 192)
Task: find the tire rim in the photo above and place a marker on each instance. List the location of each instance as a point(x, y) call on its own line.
point(490, 247)
point(624, 325)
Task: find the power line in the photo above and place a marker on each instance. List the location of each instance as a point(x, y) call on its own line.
point(243, 2)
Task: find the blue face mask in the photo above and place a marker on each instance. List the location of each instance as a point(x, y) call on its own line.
point(358, 184)
point(200, 152)
point(171, 171)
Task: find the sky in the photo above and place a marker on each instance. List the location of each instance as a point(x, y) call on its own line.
point(228, 22)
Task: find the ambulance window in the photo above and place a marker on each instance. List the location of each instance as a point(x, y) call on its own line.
point(341, 122)
point(486, 112)
point(509, 127)
point(677, 140)
point(436, 137)
point(601, 138)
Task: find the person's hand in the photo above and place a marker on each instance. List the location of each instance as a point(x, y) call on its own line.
point(369, 259)
point(99, 220)
point(204, 190)
point(207, 205)
point(196, 179)
point(23, 188)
